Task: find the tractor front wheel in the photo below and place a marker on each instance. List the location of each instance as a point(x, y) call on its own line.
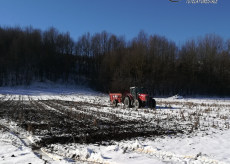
point(137, 104)
point(127, 102)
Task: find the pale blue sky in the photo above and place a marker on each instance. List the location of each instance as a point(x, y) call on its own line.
point(176, 21)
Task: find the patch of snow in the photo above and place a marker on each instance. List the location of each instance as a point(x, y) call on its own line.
point(176, 97)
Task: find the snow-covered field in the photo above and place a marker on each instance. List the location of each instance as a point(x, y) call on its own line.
point(179, 130)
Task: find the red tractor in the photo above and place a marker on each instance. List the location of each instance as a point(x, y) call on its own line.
point(136, 97)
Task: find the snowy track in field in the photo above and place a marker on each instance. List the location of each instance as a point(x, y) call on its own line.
point(16, 147)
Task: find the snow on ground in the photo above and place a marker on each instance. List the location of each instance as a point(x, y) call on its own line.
point(44, 89)
point(12, 154)
point(210, 146)
point(12, 150)
point(213, 146)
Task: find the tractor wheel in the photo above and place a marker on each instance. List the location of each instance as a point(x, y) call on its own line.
point(137, 104)
point(127, 102)
point(114, 103)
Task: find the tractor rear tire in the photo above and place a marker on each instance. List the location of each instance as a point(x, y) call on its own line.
point(137, 104)
point(153, 103)
point(127, 102)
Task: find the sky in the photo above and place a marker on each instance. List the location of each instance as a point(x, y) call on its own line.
point(177, 21)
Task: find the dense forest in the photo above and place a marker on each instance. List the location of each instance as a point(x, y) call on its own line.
point(110, 63)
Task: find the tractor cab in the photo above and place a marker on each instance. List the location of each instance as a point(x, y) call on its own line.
point(135, 91)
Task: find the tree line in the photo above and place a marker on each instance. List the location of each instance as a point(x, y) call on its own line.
point(110, 63)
